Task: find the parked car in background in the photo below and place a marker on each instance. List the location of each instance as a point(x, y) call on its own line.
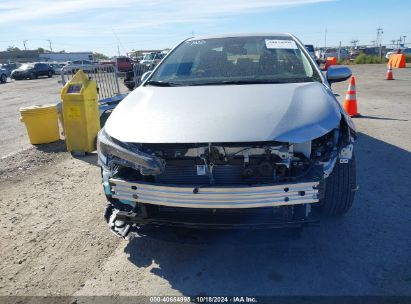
point(237, 131)
point(123, 64)
point(57, 67)
point(85, 65)
point(310, 49)
point(32, 71)
point(3, 75)
point(131, 80)
point(9, 67)
point(151, 58)
point(354, 54)
point(333, 52)
point(106, 62)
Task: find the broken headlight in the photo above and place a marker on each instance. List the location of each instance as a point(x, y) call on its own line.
point(111, 151)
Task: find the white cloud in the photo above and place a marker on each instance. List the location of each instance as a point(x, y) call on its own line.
point(147, 12)
point(76, 21)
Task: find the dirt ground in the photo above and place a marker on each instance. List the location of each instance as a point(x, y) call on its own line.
point(54, 240)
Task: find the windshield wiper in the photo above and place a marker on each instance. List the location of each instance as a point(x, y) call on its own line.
point(238, 82)
point(162, 83)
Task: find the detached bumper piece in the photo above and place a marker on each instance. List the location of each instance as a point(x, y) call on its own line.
point(215, 197)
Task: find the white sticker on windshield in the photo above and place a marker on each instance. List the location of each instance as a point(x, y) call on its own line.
point(195, 42)
point(280, 44)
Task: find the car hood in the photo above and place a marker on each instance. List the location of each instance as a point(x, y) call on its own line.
point(22, 70)
point(294, 112)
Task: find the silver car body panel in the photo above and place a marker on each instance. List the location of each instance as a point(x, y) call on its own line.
point(291, 112)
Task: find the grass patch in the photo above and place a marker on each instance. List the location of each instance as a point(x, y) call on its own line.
point(345, 62)
point(369, 59)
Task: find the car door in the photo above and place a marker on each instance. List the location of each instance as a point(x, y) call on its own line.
point(44, 69)
point(37, 69)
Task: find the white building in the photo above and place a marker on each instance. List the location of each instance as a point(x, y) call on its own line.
point(69, 56)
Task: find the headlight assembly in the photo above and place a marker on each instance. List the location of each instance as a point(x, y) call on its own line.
point(108, 147)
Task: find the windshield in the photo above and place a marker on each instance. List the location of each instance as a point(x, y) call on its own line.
point(149, 56)
point(235, 60)
point(26, 66)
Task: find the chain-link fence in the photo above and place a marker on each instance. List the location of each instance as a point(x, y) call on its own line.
point(106, 77)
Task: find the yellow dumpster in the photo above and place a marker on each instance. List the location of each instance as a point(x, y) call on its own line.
point(80, 113)
point(41, 123)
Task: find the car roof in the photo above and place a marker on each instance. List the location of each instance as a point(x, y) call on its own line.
point(284, 35)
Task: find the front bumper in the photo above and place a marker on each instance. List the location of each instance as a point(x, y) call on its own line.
point(19, 75)
point(215, 197)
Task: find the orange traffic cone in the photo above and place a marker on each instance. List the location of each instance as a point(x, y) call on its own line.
point(389, 73)
point(350, 103)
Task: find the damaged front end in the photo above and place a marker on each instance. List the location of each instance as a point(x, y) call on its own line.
point(266, 184)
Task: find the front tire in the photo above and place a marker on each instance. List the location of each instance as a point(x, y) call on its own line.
point(3, 78)
point(340, 189)
point(32, 76)
point(50, 74)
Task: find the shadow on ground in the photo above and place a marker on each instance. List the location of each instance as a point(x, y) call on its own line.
point(90, 158)
point(366, 252)
point(54, 147)
point(60, 146)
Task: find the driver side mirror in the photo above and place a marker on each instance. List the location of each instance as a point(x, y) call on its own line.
point(145, 76)
point(338, 73)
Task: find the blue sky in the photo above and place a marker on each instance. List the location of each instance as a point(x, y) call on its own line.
point(102, 25)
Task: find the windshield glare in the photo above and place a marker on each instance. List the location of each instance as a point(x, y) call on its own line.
point(26, 66)
point(236, 59)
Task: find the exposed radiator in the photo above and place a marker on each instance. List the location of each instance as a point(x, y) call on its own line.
point(223, 175)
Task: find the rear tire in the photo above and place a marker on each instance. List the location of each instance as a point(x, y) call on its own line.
point(340, 189)
point(3, 78)
point(32, 76)
point(50, 74)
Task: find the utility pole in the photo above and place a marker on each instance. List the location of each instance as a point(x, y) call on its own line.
point(24, 43)
point(51, 49)
point(404, 39)
point(380, 31)
point(118, 50)
point(325, 39)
